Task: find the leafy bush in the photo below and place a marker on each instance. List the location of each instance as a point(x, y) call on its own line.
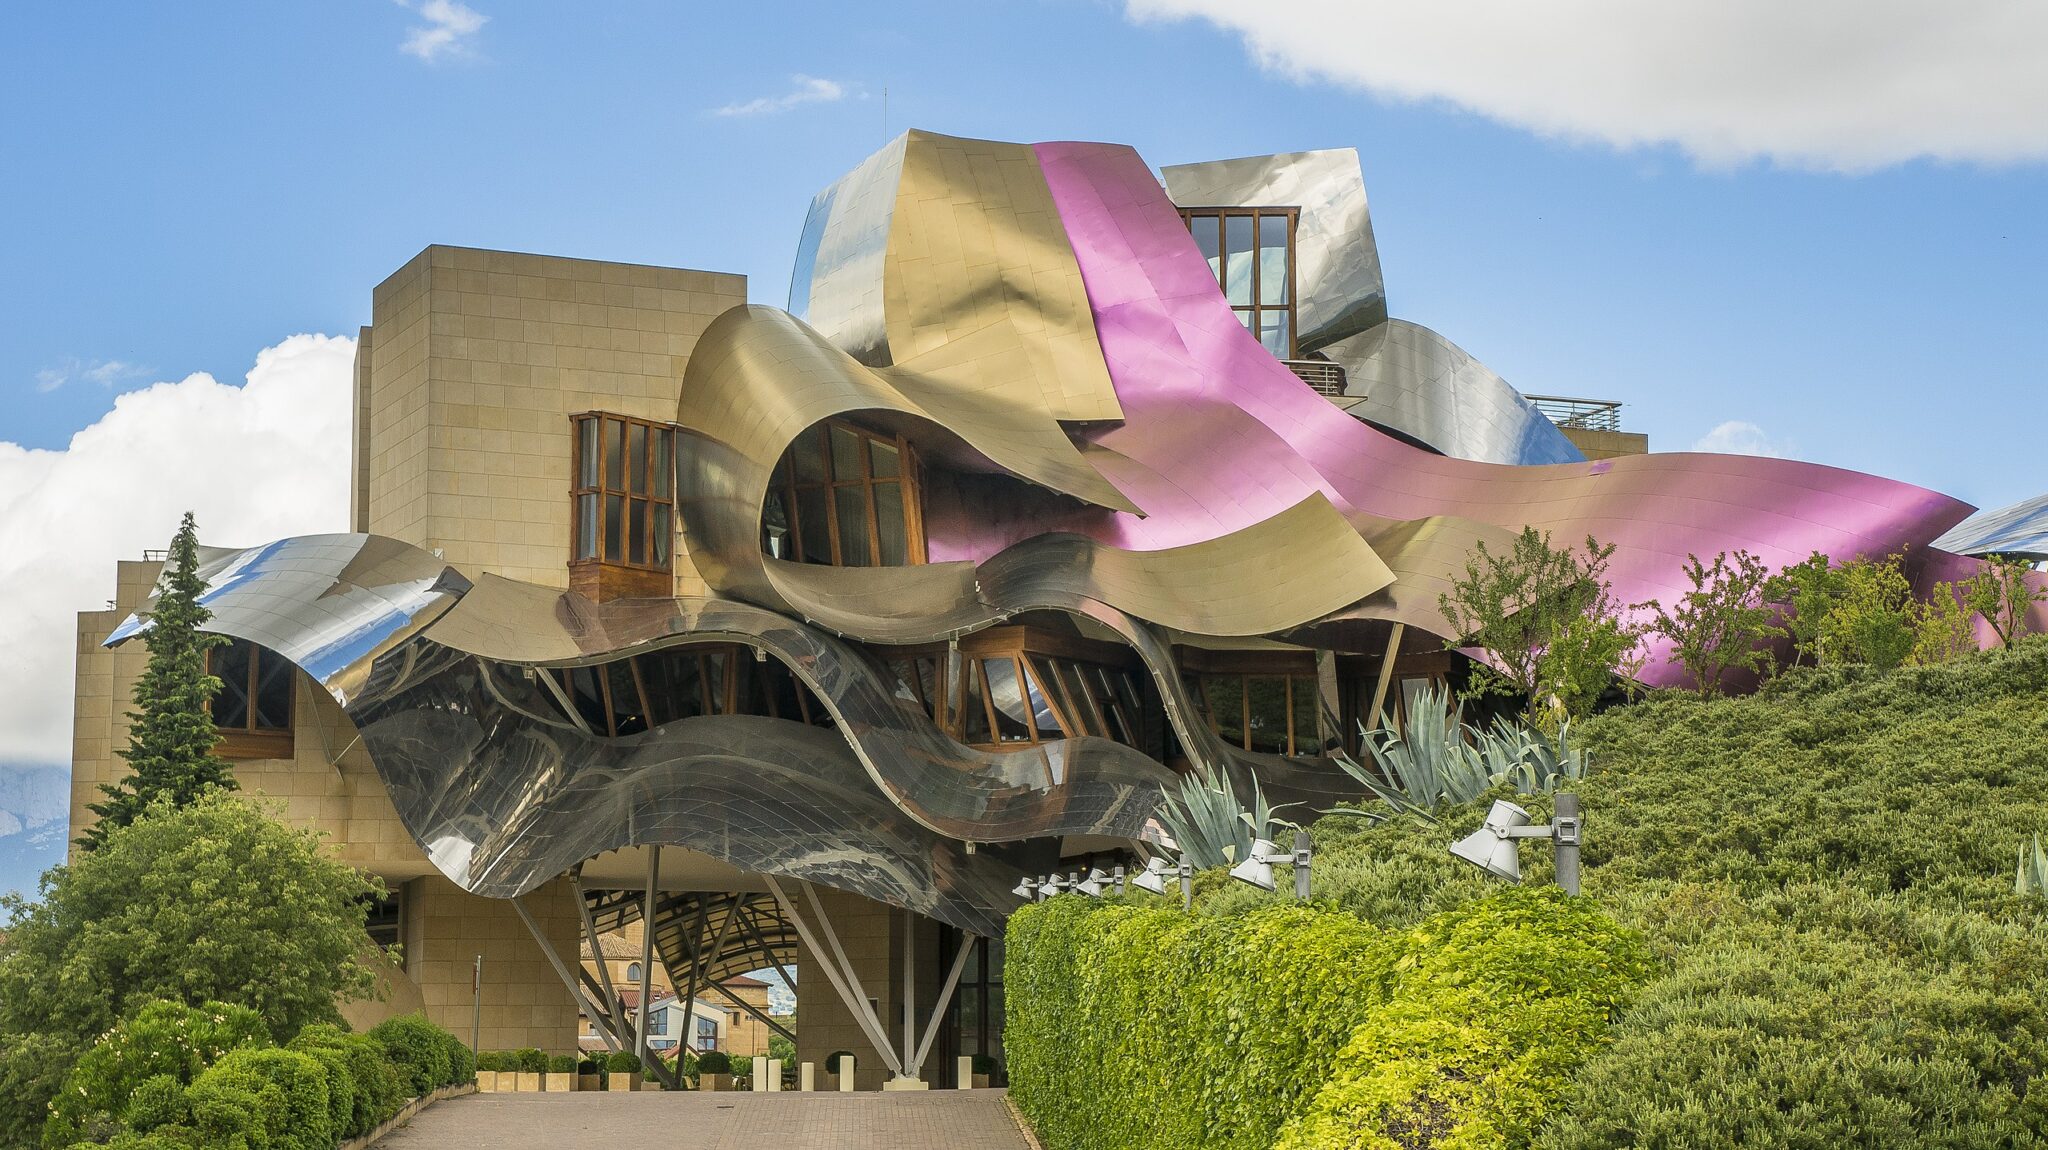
point(264, 1099)
point(621, 1062)
point(420, 1050)
point(493, 1060)
point(158, 1101)
point(714, 1062)
point(374, 1091)
point(1223, 1029)
point(562, 1064)
point(527, 1060)
point(162, 1038)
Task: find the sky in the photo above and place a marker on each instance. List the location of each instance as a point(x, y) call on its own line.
point(1813, 230)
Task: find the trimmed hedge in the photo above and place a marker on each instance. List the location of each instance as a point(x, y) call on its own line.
point(1141, 1026)
point(328, 1085)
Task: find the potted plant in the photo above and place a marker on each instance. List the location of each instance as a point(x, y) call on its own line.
point(832, 1064)
point(589, 1074)
point(561, 1074)
point(530, 1067)
point(714, 1070)
point(984, 1066)
point(622, 1071)
point(488, 1064)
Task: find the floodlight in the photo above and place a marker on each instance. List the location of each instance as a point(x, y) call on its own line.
point(1153, 877)
point(1026, 887)
point(1093, 884)
point(1257, 869)
point(1054, 883)
point(1490, 848)
point(1493, 847)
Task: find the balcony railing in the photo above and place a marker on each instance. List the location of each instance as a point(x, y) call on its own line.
point(1585, 414)
point(1326, 377)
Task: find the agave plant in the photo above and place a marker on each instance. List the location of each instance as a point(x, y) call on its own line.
point(1209, 824)
point(2033, 875)
point(1440, 759)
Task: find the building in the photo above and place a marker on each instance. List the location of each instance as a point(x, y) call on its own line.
point(797, 635)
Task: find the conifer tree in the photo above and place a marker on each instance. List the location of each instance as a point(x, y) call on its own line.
point(170, 735)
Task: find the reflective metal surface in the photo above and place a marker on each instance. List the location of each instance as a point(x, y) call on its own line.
point(1407, 378)
point(1336, 263)
point(2020, 530)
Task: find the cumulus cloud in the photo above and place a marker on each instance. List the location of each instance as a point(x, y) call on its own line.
point(803, 90)
point(256, 462)
point(1844, 85)
point(447, 31)
point(1740, 437)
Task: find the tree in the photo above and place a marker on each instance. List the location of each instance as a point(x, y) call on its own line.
point(1548, 619)
point(209, 901)
point(1942, 630)
point(2002, 596)
point(171, 735)
point(1872, 620)
point(1723, 623)
point(1806, 590)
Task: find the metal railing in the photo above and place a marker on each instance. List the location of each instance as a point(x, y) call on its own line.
point(1586, 414)
point(1326, 377)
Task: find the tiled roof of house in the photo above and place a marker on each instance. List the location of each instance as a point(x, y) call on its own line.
point(615, 948)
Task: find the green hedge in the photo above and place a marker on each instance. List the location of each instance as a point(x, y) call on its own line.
point(178, 1076)
point(1144, 1027)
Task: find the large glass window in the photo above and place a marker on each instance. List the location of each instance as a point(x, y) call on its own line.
point(1012, 686)
point(255, 688)
point(1271, 713)
point(627, 696)
point(624, 491)
point(845, 497)
point(1250, 251)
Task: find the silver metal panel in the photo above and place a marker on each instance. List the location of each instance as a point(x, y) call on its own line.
point(1336, 263)
point(836, 285)
point(2019, 530)
point(1412, 381)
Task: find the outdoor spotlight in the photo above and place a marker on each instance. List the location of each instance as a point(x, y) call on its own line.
point(1054, 883)
point(1153, 878)
point(1026, 887)
point(1257, 869)
point(1092, 886)
point(1494, 848)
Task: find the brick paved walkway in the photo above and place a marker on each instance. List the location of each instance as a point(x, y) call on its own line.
point(938, 1120)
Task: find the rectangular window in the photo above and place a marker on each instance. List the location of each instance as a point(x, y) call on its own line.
point(1250, 251)
point(253, 708)
point(1021, 685)
point(624, 495)
point(844, 496)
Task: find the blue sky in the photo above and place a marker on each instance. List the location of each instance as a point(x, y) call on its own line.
point(1827, 223)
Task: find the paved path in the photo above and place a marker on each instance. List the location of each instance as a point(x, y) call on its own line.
point(692, 1120)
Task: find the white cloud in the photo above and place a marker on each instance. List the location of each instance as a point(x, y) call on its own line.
point(1740, 437)
point(255, 463)
point(1845, 85)
point(105, 372)
point(803, 90)
point(448, 28)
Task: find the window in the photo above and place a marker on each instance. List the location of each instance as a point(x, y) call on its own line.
point(633, 973)
point(1019, 686)
point(844, 497)
point(624, 492)
point(253, 708)
point(630, 695)
point(1264, 700)
point(707, 1034)
point(1251, 253)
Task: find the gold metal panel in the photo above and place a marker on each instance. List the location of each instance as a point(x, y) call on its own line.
point(981, 291)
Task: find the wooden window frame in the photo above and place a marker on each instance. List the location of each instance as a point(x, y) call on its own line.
point(1255, 309)
point(1026, 647)
point(739, 659)
point(251, 741)
point(907, 479)
point(637, 503)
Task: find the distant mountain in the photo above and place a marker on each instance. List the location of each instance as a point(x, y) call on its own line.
point(35, 808)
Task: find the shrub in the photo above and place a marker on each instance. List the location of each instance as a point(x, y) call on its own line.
point(714, 1062)
point(527, 1060)
point(158, 1101)
point(265, 1100)
point(621, 1062)
point(419, 1050)
point(375, 1093)
point(562, 1064)
point(162, 1038)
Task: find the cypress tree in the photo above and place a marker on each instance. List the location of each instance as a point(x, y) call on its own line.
point(170, 735)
